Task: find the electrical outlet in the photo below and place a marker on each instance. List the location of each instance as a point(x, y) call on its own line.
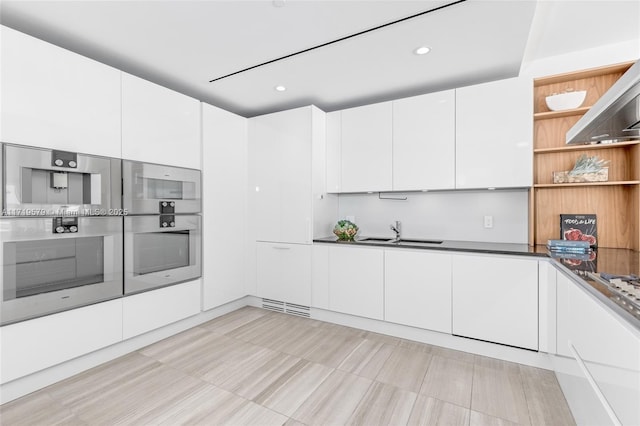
point(488, 221)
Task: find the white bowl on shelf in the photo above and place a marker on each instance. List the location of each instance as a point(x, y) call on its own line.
point(568, 100)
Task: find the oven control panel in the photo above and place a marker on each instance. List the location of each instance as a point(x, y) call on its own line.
point(62, 225)
point(64, 159)
point(167, 221)
point(167, 207)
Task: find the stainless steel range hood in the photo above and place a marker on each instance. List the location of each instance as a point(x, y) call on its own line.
point(616, 115)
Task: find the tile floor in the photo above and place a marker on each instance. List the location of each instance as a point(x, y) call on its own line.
point(256, 367)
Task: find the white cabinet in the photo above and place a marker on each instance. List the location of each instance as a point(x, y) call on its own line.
point(424, 142)
point(224, 182)
point(159, 125)
point(36, 344)
point(606, 348)
point(156, 308)
point(496, 299)
point(366, 151)
point(356, 281)
point(334, 148)
point(282, 173)
point(54, 98)
point(284, 272)
point(417, 289)
point(494, 134)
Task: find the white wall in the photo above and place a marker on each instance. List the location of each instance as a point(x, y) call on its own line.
point(455, 215)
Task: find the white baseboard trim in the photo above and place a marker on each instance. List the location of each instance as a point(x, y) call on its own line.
point(43, 378)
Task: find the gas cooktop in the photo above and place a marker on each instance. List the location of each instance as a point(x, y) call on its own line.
point(624, 290)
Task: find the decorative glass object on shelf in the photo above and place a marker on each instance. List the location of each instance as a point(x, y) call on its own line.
point(586, 169)
point(345, 230)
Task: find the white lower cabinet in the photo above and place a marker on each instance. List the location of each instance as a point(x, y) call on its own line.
point(356, 281)
point(417, 289)
point(284, 272)
point(607, 352)
point(156, 308)
point(496, 299)
point(34, 345)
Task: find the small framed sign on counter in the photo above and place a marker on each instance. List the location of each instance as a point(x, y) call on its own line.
point(579, 227)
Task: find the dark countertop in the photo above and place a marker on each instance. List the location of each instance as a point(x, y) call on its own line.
point(609, 260)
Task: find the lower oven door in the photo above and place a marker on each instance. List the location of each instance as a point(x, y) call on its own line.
point(44, 271)
point(158, 256)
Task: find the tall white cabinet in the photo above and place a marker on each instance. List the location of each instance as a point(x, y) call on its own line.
point(287, 200)
point(224, 183)
point(424, 142)
point(159, 125)
point(494, 134)
point(53, 98)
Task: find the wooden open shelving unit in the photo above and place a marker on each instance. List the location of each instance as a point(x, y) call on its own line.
point(615, 202)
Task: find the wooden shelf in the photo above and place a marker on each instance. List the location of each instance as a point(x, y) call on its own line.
point(608, 183)
point(586, 147)
point(546, 115)
point(592, 72)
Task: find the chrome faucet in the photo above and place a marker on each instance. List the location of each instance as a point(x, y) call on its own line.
point(396, 229)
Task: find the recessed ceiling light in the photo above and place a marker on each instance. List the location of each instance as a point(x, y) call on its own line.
point(280, 88)
point(422, 50)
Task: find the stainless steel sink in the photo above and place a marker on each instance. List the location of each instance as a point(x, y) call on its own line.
point(414, 241)
point(377, 240)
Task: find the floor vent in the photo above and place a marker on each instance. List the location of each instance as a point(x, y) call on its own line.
point(286, 308)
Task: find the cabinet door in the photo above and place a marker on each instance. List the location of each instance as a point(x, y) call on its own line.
point(496, 299)
point(34, 345)
point(417, 289)
point(54, 98)
point(280, 150)
point(156, 308)
point(424, 142)
point(334, 148)
point(224, 178)
point(159, 125)
point(356, 281)
point(284, 272)
point(494, 134)
point(366, 152)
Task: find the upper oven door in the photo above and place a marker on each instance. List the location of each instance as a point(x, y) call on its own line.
point(160, 251)
point(156, 189)
point(49, 265)
point(42, 182)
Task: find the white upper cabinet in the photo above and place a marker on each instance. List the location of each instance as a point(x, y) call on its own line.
point(159, 125)
point(496, 299)
point(494, 134)
point(334, 148)
point(366, 151)
point(417, 289)
point(424, 142)
point(280, 170)
point(54, 98)
point(224, 183)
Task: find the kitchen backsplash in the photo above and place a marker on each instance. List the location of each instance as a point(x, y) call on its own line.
point(443, 215)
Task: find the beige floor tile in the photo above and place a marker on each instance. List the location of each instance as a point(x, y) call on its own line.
point(498, 391)
point(449, 380)
point(254, 414)
point(453, 354)
point(235, 319)
point(290, 391)
point(174, 343)
point(405, 368)
point(367, 359)
point(37, 409)
point(546, 402)
point(334, 400)
point(383, 405)
point(481, 419)
point(382, 338)
point(430, 411)
point(331, 349)
point(416, 346)
point(294, 422)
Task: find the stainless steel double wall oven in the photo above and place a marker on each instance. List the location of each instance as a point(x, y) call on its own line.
point(76, 230)
point(162, 238)
point(60, 232)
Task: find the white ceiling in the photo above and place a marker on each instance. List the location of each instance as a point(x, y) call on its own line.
point(184, 44)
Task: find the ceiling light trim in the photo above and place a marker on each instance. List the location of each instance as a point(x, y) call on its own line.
point(397, 21)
